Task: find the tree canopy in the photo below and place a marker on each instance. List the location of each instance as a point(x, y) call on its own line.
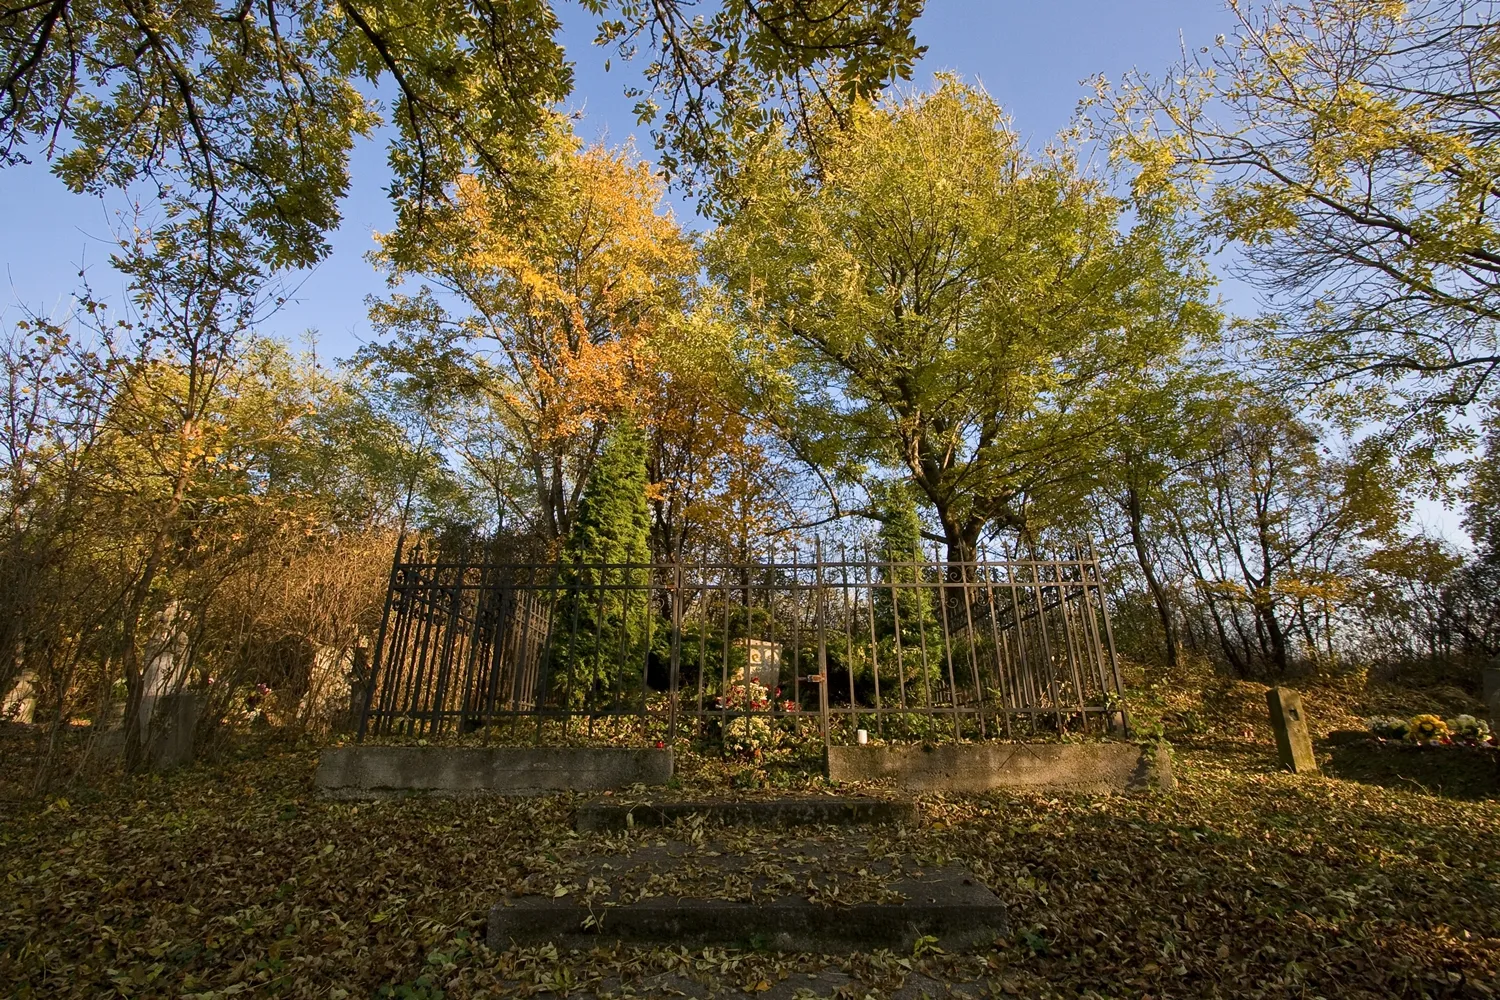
point(947, 304)
point(1347, 150)
point(240, 117)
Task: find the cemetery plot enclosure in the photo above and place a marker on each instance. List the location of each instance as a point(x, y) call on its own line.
point(746, 652)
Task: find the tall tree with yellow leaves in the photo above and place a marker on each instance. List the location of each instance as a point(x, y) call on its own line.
point(557, 298)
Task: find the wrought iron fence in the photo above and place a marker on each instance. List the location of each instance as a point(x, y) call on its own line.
point(741, 651)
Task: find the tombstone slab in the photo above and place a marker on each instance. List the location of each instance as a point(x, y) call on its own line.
point(607, 814)
point(1293, 740)
point(1082, 768)
point(174, 721)
point(376, 772)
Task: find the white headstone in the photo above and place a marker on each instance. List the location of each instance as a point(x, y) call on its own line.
point(20, 703)
point(764, 658)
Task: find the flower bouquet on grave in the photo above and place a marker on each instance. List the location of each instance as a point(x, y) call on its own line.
point(1469, 730)
point(1389, 727)
point(1428, 729)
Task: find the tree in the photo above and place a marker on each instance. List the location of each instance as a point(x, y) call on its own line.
point(715, 485)
point(1172, 414)
point(948, 305)
point(728, 73)
point(240, 116)
point(903, 567)
point(1348, 149)
point(1272, 530)
point(601, 628)
point(561, 301)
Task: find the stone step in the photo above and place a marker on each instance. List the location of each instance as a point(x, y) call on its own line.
point(608, 815)
point(944, 903)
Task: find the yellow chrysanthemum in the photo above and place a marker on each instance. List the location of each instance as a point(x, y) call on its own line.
point(1427, 727)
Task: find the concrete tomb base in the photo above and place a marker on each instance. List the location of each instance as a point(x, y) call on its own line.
point(1089, 768)
point(374, 772)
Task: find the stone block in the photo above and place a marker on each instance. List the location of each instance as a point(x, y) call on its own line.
point(372, 772)
point(1289, 723)
point(19, 705)
point(1491, 692)
point(607, 814)
point(1088, 768)
point(945, 903)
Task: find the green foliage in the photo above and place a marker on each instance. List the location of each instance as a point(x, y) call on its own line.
point(945, 303)
point(245, 114)
point(903, 565)
point(783, 63)
point(601, 627)
point(240, 117)
point(1346, 147)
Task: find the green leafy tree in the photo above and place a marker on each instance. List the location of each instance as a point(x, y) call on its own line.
point(601, 629)
point(1273, 528)
point(240, 116)
point(903, 564)
point(1347, 149)
point(721, 72)
point(944, 303)
point(1169, 435)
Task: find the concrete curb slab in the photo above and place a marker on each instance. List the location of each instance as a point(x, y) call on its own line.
point(1088, 768)
point(374, 772)
point(947, 904)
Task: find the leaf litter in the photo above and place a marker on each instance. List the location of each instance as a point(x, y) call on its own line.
point(235, 879)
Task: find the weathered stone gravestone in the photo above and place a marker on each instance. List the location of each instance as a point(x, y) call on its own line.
point(174, 723)
point(1289, 722)
point(166, 666)
point(1492, 693)
point(20, 704)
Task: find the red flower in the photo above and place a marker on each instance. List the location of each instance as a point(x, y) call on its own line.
point(660, 745)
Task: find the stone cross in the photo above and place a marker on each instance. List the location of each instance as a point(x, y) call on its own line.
point(1293, 743)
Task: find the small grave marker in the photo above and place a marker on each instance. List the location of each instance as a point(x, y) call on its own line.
point(20, 704)
point(765, 662)
point(1289, 721)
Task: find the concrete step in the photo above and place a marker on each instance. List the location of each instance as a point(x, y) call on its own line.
point(605, 815)
point(823, 979)
point(946, 904)
point(825, 894)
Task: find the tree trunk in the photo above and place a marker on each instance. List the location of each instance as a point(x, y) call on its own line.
point(1158, 592)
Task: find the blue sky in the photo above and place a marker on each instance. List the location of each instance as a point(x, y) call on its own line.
point(1030, 56)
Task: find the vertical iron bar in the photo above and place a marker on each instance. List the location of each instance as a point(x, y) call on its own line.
point(874, 640)
point(385, 617)
point(944, 571)
point(822, 649)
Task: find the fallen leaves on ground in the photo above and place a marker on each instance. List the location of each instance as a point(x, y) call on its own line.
point(235, 879)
